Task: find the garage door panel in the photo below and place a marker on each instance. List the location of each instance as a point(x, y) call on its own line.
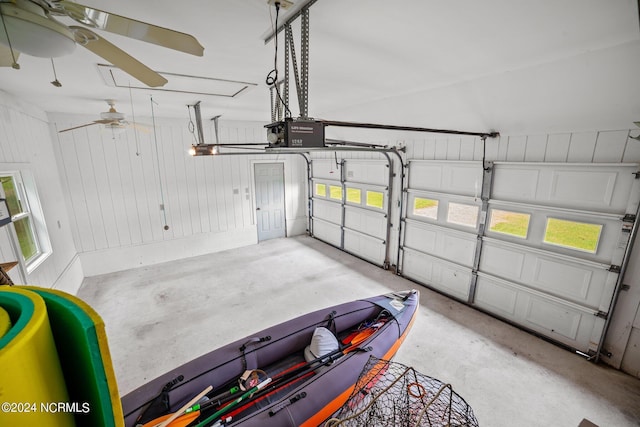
point(328, 211)
point(576, 280)
point(573, 282)
point(564, 322)
point(364, 246)
point(593, 187)
point(610, 242)
point(582, 187)
point(502, 261)
point(552, 317)
point(328, 232)
point(456, 246)
point(421, 237)
point(367, 172)
point(366, 221)
point(447, 277)
point(498, 298)
point(325, 169)
point(463, 178)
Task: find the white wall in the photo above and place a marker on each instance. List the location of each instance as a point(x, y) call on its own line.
point(25, 145)
point(122, 190)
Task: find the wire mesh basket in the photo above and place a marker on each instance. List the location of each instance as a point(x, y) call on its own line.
point(394, 395)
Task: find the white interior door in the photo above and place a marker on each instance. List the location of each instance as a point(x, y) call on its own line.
point(270, 203)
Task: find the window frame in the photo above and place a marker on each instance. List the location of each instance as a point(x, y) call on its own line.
point(27, 195)
point(571, 248)
point(461, 224)
point(425, 217)
point(493, 209)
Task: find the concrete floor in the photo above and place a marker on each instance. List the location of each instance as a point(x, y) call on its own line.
point(162, 316)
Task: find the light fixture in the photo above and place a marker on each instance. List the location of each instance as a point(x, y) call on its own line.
point(203, 150)
point(28, 30)
point(115, 128)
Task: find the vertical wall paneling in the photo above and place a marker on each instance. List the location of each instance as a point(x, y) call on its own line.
point(610, 146)
point(26, 145)
point(536, 147)
point(582, 147)
point(557, 147)
point(222, 211)
point(126, 199)
point(94, 219)
point(105, 187)
point(73, 181)
point(516, 148)
point(207, 200)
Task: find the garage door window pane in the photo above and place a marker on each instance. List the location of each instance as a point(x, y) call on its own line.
point(354, 195)
point(321, 190)
point(511, 223)
point(427, 208)
point(335, 192)
point(375, 199)
point(462, 214)
point(572, 234)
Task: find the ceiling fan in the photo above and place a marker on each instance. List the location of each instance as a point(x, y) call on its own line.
point(32, 27)
point(111, 119)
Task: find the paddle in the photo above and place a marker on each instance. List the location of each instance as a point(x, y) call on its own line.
point(179, 412)
point(296, 374)
point(279, 381)
point(245, 395)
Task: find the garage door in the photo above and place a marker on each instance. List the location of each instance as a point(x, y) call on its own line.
point(543, 251)
point(441, 228)
point(350, 206)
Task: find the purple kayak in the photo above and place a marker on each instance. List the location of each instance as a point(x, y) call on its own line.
point(296, 373)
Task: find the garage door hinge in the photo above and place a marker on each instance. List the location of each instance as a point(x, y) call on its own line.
point(614, 269)
point(629, 218)
point(601, 314)
point(637, 174)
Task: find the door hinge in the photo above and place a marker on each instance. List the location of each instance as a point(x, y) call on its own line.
point(601, 314)
point(636, 174)
point(624, 287)
point(629, 218)
point(614, 269)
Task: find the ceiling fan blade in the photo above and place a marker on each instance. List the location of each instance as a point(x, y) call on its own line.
point(78, 127)
point(139, 127)
point(139, 30)
point(6, 59)
point(117, 57)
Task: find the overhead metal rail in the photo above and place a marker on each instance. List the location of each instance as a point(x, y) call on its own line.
point(407, 128)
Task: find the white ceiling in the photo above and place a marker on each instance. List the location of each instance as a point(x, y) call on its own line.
point(510, 65)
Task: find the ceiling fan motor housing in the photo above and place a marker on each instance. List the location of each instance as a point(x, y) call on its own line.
point(29, 30)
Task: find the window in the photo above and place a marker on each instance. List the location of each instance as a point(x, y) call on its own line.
point(354, 195)
point(582, 236)
point(462, 214)
point(375, 199)
point(321, 190)
point(26, 216)
point(427, 208)
point(335, 192)
point(511, 223)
